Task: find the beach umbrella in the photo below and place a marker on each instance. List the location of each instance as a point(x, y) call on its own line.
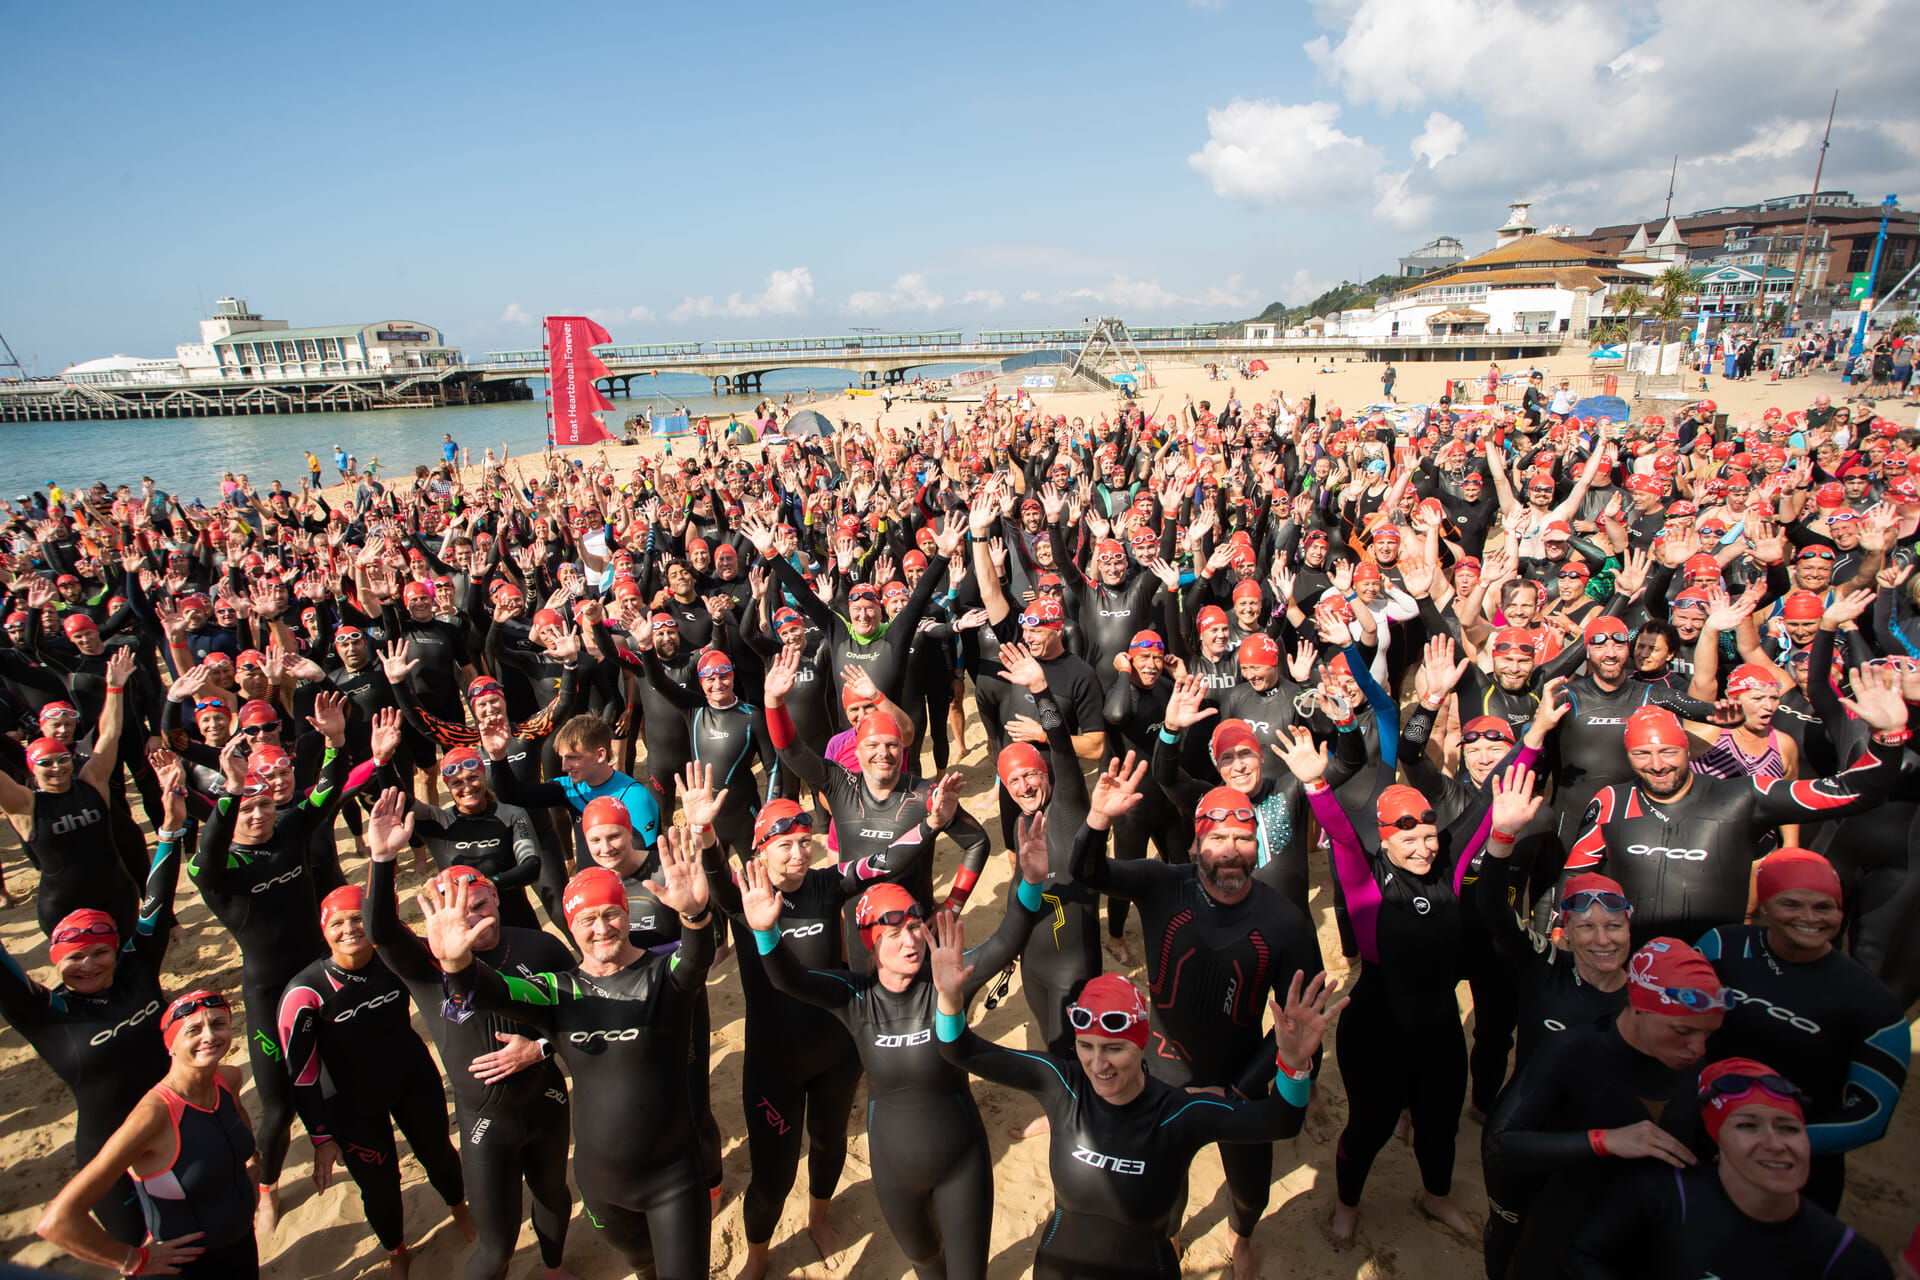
point(1256, 366)
point(1125, 380)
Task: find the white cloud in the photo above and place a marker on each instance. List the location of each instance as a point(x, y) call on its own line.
point(614, 315)
point(514, 315)
point(1029, 295)
point(1128, 295)
point(1443, 137)
point(1584, 103)
point(1303, 287)
point(991, 299)
point(909, 293)
point(1270, 153)
point(787, 293)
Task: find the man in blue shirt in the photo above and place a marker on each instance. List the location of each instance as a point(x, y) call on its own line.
point(449, 450)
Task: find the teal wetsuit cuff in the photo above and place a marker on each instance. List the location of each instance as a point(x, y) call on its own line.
point(765, 940)
point(948, 1026)
point(1295, 1091)
point(1030, 896)
point(1168, 736)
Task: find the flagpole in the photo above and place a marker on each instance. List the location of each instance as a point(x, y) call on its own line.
point(547, 352)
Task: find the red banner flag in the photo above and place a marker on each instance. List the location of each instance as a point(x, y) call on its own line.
point(573, 416)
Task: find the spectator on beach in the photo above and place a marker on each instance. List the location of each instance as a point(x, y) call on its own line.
point(313, 469)
point(341, 460)
point(449, 450)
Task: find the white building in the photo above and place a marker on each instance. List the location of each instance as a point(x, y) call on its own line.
point(1530, 283)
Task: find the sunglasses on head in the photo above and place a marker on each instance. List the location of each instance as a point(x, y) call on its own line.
point(74, 933)
point(186, 1008)
point(894, 919)
point(784, 826)
point(1733, 1086)
point(1408, 821)
point(1472, 736)
point(454, 768)
point(1113, 1021)
point(1574, 903)
point(1225, 815)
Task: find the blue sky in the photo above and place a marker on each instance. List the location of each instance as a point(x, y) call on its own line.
point(694, 172)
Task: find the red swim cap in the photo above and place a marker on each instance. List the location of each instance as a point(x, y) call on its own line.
point(1147, 640)
point(880, 900)
point(1211, 616)
point(1397, 804)
point(1103, 1002)
point(593, 887)
point(348, 897)
point(1796, 868)
point(185, 1006)
point(1259, 650)
point(1668, 964)
point(1718, 1104)
point(1593, 882)
point(258, 711)
point(1238, 811)
point(877, 724)
point(1655, 727)
point(1231, 735)
point(777, 811)
point(1246, 590)
point(75, 623)
point(1046, 612)
point(455, 876)
point(605, 811)
point(1802, 606)
point(1603, 625)
point(1488, 724)
point(713, 663)
point(1016, 757)
point(1750, 677)
point(82, 928)
point(40, 748)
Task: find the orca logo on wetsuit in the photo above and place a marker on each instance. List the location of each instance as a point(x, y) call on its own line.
point(907, 1041)
point(1774, 1011)
point(101, 1037)
point(588, 1037)
point(1663, 851)
point(384, 998)
point(1112, 1164)
point(804, 931)
point(1421, 906)
point(477, 844)
point(281, 879)
point(1553, 1024)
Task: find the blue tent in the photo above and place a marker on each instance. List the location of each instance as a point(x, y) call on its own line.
point(1613, 408)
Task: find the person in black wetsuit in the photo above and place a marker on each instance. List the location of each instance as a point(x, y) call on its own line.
point(62, 820)
point(621, 1022)
point(1136, 704)
point(877, 806)
point(1594, 1104)
point(1683, 844)
point(358, 1070)
point(928, 1148)
point(189, 1148)
point(1818, 1015)
point(98, 1027)
point(1219, 942)
point(1746, 1215)
point(801, 1067)
point(255, 874)
point(728, 734)
point(510, 1100)
point(1122, 1139)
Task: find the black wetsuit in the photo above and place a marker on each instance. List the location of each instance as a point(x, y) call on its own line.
point(266, 897)
point(801, 1066)
point(1210, 967)
point(1680, 1224)
point(932, 1171)
point(358, 1070)
point(1133, 718)
point(1119, 1173)
point(625, 1037)
point(1685, 863)
point(867, 827)
point(206, 1191)
point(1108, 616)
point(105, 1046)
point(80, 864)
point(1828, 1026)
point(514, 1128)
point(1543, 1176)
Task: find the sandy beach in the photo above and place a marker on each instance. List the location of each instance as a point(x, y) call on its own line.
point(323, 1235)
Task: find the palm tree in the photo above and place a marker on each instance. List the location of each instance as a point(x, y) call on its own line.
point(1632, 300)
point(1676, 285)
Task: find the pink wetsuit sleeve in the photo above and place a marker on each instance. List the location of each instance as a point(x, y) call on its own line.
point(1351, 865)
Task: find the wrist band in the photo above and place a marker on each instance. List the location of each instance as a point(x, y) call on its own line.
point(1280, 1061)
point(1893, 737)
point(137, 1256)
point(1500, 837)
point(1597, 1139)
point(120, 688)
point(169, 837)
point(1318, 786)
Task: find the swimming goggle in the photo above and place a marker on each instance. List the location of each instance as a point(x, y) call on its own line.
point(1114, 1022)
point(1606, 899)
